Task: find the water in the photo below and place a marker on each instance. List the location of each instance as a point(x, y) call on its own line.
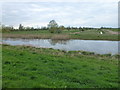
point(96, 46)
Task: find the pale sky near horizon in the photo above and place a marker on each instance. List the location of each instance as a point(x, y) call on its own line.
point(85, 13)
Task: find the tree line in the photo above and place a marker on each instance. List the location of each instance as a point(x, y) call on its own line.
point(53, 27)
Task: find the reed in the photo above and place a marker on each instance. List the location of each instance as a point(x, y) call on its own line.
point(60, 37)
point(26, 36)
point(37, 36)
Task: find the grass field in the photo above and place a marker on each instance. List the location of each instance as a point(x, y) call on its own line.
point(72, 34)
point(29, 67)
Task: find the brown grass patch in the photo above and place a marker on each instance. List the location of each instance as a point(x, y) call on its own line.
point(37, 36)
point(60, 37)
point(26, 36)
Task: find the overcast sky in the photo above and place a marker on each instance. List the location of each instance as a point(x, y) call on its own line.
point(85, 13)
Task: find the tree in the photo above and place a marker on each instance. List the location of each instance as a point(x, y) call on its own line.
point(53, 26)
point(21, 27)
point(62, 27)
point(43, 28)
point(7, 28)
point(68, 28)
point(52, 23)
point(27, 28)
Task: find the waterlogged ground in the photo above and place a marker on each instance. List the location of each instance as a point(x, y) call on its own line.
point(28, 67)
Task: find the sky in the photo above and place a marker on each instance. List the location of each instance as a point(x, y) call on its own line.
point(77, 13)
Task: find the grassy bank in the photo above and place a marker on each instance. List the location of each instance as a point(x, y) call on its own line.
point(72, 34)
point(29, 67)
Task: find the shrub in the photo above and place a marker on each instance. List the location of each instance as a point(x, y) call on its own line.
point(108, 55)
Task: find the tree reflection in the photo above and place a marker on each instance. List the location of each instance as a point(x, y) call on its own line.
point(54, 42)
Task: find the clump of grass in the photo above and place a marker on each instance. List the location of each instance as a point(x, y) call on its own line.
point(73, 52)
point(107, 55)
point(87, 53)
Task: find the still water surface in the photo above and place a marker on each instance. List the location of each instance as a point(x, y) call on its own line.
point(97, 46)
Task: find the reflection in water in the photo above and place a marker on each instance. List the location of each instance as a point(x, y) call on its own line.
point(97, 46)
point(54, 42)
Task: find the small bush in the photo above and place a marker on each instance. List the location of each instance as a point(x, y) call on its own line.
point(58, 31)
point(87, 53)
point(108, 55)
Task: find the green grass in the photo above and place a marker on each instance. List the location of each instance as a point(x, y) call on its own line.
point(73, 34)
point(0, 66)
point(95, 35)
point(29, 67)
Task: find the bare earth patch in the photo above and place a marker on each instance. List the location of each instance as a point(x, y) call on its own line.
point(113, 32)
point(76, 33)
